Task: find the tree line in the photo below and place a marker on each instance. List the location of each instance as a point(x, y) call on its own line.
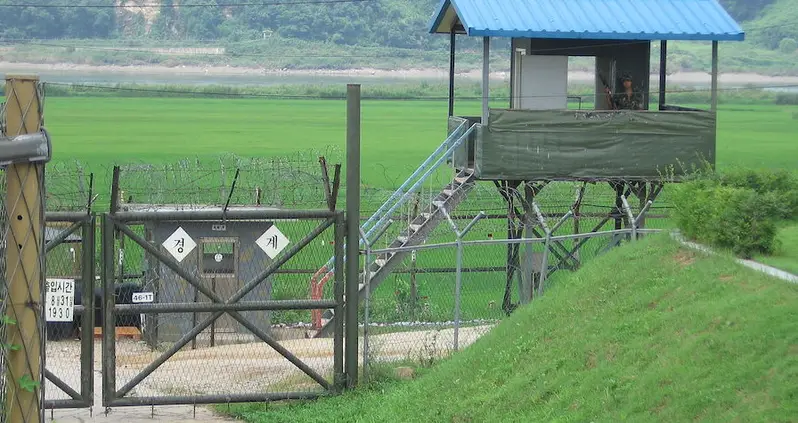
point(388, 23)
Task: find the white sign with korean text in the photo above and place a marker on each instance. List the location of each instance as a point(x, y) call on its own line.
point(60, 300)
point(272, 242)
point(179, 244)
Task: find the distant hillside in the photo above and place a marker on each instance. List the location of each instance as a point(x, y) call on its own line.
point(650, 332)
point(395, 31)
point(386, 23)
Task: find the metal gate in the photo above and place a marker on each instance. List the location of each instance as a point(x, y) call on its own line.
point(69, 366)
point(176, 307)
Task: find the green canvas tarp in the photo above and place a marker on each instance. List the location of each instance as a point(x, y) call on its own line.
point(554, 144)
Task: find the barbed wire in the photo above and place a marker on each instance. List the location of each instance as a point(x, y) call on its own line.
point(366, 96)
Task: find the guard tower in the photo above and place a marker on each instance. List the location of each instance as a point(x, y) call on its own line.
point(536, 140)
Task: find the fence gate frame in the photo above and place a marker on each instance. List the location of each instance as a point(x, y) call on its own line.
point(119, 221)
point(86, 224)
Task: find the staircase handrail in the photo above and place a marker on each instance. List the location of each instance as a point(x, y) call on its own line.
point(401, 195)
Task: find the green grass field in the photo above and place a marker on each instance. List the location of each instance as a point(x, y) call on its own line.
point(396, 135)
point(699, 338)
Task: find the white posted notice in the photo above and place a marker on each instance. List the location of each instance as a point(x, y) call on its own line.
point(179, 244)
point(60, 300)
point(272, 241)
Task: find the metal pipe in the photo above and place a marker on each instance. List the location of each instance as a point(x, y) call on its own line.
point(108, 327)
point(200, 307)
point(644, 210)
point(630, 216)
point(338, 291)
point(60, 384)
point(109, 388)
point(301, 365)
point(282, 259)
point(352, 229)
point(213, 399)
point(452, 39)
point(366, 304)
point(54, 404)
point(663, 72)
point(62, 236)
point(115, 190)
point(59, 216)
point(558, 238)
point(485, 80)
point(218, 214)
point(714, 76)
point(88, 281)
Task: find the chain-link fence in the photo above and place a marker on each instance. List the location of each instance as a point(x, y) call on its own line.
point(492, 253)
point(176, 346)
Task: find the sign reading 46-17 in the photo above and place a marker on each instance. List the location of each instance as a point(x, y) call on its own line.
point(59, 300)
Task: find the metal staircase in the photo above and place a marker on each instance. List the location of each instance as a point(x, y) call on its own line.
point(416, 231)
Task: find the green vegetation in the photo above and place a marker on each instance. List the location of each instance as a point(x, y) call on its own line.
point(785, 256)
point(697, 338)
point(738, 210)
point(155, 130)
point(386, 34)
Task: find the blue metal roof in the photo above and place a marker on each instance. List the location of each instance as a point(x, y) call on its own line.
point(590, 19)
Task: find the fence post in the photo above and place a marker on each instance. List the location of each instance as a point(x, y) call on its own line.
point(338, 288)
point(352, 227)
point(24, 258)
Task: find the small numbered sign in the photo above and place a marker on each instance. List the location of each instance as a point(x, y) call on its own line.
point(60, 300)
point(143, 297)
point(272, 241)
point(179, 244)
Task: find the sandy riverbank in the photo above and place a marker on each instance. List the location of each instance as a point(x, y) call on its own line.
point(407, 74)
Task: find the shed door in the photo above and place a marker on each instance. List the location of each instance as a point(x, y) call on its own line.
point(543, 82)
point(219, 271)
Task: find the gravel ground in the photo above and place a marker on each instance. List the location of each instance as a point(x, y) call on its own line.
point(242, 368)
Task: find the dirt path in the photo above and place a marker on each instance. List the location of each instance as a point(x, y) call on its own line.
point(227, 369)
point(687, 78)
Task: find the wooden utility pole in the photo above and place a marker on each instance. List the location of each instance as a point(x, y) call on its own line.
point(24, 258)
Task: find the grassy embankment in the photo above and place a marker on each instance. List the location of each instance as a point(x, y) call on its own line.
point(650, 332)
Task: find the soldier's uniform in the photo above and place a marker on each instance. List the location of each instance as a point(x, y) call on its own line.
point(624, 102)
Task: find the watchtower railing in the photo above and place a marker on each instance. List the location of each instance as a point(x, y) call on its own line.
point(377, 224)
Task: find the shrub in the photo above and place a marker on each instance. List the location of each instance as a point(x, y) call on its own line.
point(779, 188)
point(787, 99)
point(738, 210)
point(788, 45)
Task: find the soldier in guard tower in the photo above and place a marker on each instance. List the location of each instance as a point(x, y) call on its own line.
point(629, 99)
